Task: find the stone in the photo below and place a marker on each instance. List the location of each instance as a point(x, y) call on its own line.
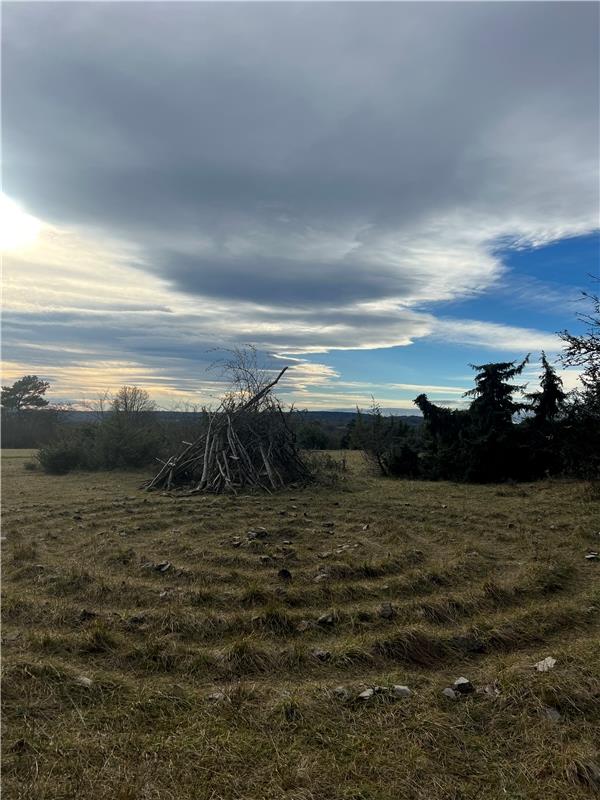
point(342, 693)
point(322, 655)
point(266, 559)
point(284, 575)
point(163, 566)
point(593, 556)
point(463, 686)
point(82, 680)
point(321, 576)
point(257, 533)
point(216, 697)
point(545, 664)
point(365, 527)
point(366, 695)
point(449, 693)
point(551, 713)
point(325, 619)
point(401, 691)
point(386, 611)
point(328, 525)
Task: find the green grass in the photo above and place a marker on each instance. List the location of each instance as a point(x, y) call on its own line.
point(215, 678)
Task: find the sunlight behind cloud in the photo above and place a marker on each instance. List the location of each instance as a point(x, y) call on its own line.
point(17, 228)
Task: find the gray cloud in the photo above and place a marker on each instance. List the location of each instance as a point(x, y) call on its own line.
point(185, 114)
point(295, 162)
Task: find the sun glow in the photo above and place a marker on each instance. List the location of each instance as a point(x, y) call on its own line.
point(17, 228)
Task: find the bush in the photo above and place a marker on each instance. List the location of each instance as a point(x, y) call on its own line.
point(387, 442)
point(121, 443)
point(117, 442)
point(311, 436)
point(59, 457)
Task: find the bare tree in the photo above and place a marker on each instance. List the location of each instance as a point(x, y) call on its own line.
point(131, 400)
point(242, 369)
point(583, 350)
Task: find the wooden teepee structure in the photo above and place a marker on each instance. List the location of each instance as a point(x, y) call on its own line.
point(246, 444)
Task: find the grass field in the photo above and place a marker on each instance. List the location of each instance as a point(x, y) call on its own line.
point(217, 677)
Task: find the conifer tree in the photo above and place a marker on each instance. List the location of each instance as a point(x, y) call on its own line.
point(25, 394)
point(547, 403)
point(493, 406)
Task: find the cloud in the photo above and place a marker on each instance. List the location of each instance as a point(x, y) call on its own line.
point(302, 176)
point(494, 336)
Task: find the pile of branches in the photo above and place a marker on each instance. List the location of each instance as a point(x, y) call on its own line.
point(246, 444)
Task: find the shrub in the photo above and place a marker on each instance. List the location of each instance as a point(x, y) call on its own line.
point(117, 442)
point(120, 443)
point(59, 457)
point(387, 442)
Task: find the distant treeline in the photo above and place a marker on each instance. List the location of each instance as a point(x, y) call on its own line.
point(315, 430)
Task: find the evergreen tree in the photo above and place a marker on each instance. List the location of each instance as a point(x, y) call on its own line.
point(493, 406)
point(25, 394)
point(493, 447)
point(547, 403)
point(442, 455)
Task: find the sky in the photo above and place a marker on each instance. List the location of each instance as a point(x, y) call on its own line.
point(377, 194)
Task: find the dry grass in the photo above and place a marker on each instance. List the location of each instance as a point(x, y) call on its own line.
point(216, 677)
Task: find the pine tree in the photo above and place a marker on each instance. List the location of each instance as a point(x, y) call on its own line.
point(493, 406)
point(25, 394)
point(547, 403)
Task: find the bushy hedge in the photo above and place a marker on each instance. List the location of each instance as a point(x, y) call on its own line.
point(117, 442)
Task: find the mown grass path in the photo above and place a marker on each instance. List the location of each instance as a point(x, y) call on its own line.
point(216, 676)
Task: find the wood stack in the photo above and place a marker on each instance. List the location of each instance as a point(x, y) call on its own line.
point(246, 444)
